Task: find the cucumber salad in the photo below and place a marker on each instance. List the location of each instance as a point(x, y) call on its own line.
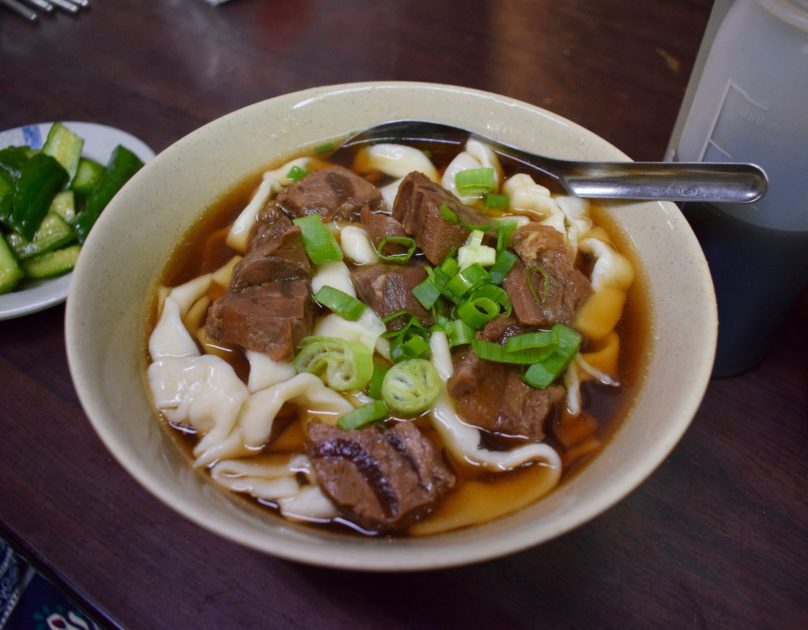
point(49, 201)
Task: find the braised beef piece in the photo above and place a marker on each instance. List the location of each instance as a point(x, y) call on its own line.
point(271, 317)
point(494, 397)
point(381, 479)
point(276, 253)
point(388, 288)
point(270, 224)
point(417, 208)
point(381, 226)
point(334, 192)
point(500, 329)
point(544, 286)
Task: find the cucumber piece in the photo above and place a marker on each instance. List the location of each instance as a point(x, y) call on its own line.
point(87, 176)
point(12, 159)
point(6, 195)
point(64, 204)
point(10, 271)
point(52, 264)
point(41, 177)
point(122, 165)
point(65, 146)
point(52, 234)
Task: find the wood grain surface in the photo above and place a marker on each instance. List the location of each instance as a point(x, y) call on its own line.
point(716, 537)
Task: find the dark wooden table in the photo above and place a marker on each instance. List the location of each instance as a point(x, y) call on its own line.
point(717, 537)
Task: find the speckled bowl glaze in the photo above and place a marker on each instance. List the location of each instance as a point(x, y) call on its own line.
point(123, 258)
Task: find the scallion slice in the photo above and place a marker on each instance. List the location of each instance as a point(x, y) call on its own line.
point(498, 294)
point(497, 353)
point(545, 282)
point(475, 181)
point(467, 279)
point(375, 385)
point(396, 240)
point(343, 365)
point(320, 245)
point(544, 372)
point(497, 202)
point(359, 417)
point(528, 341)
point(324, 148)
point(458, 332)
point(296, 173)
point(477, 312)
point(502, 267)
point(411, 387)
point(426, 293)
point(505, 230)
point(340, 303)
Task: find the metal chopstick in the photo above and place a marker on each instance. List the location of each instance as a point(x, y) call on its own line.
point(47, 7)
point(20, 9)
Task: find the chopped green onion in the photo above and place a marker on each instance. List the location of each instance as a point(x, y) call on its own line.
point(343, 365)
point(498, 294)
point(449, 266)
point(324, 148)
point(451, 216)
point(427, 152)
point(545, 282)
point(532, 340)
point(320, 244)
point(375, 385)
point(363, 415)
point(502, 267)
point(396, 240)
point(473, 251)
point(467, 279)
point(458, 332)
point(411, 387)
point(475, 181)
point(296, 173)
point(505, 230)
point(497, 353)
point(426, 293)
point(395, 315)
point(478, 312)
point(340, 303)
point(544, 372)
point(408, 346)
point(497, 202)
point(448, 214)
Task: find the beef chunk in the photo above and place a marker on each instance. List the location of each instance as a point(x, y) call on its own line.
point(334, 192)
point(500, 329)
point(271, 317)
point(381, 479)
point(417, 208)
point(379, 227)
point(388, 288)
point(275, 254)
point(270, 224)
point(494, 397)
point(547, 270)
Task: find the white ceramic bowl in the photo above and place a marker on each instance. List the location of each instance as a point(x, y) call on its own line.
point(131, 242)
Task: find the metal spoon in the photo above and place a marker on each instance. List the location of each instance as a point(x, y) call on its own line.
point(672, 181)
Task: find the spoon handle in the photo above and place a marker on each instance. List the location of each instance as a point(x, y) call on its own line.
point(672, 181)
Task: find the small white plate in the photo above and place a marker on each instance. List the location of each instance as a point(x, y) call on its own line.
point(99, 141)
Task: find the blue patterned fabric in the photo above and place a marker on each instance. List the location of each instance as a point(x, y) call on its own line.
point(15, 575)
point(29, 602)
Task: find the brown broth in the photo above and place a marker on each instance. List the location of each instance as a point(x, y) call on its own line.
point(486, 495)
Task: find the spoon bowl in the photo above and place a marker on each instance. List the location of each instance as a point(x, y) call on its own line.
point(669, 181)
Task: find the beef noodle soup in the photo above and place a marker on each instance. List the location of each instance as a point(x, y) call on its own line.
point(410, 342)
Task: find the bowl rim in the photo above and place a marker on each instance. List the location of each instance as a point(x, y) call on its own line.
point(370, 558)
